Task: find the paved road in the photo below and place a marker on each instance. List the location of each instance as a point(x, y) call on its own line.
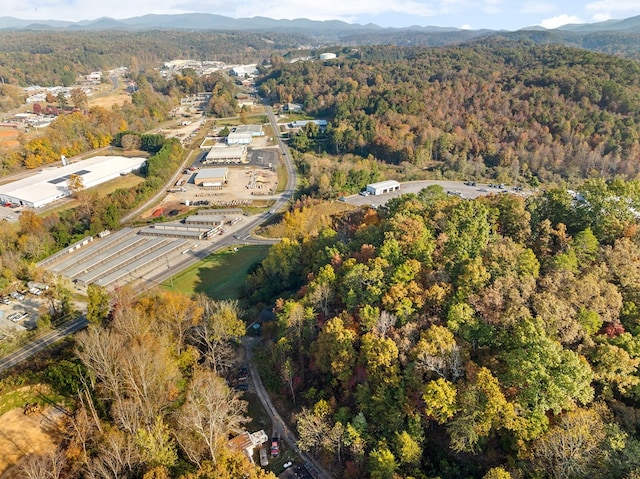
point(42, 342)
point(292, 174)
point(242, 234)
point(279, 426)
point(161, 192)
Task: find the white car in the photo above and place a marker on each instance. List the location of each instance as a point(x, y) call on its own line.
point(15, 317)
point(287, 465)
point(35, 291)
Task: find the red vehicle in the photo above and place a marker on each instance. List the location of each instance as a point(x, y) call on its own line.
point(275, 446)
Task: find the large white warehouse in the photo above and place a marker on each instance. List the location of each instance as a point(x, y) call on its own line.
point(51, 184)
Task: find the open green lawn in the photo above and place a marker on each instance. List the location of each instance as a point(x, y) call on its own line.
point(219, 276)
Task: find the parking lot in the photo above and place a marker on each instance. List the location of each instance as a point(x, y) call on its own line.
point(467, 190)
point(11, 214)
point(26, 309)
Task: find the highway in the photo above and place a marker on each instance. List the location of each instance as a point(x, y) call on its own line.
point(39, 344)
point(292, 174)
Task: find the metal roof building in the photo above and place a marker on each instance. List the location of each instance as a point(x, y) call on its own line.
point(51, 184)
point(229, 154)
point(382, 187)
point(239, 138)
point(255, 130)
point(212, 177)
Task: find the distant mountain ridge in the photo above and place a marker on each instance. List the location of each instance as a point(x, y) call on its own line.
point(621, 37)
point(208, 21)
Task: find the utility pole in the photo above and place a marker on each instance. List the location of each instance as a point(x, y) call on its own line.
point(170, 272)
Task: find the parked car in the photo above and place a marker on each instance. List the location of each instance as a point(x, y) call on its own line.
point(5, 300)
point(275, 446)
point(17, 316)
point(18, 296)
point(35, 291)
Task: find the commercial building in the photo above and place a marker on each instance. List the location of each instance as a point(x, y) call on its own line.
point(51, 184)
point(327, 56)
point(382, 187)
point(212, 177)
point(230, 154)
point(255, 130)
point(322, 124)
point(237, 138)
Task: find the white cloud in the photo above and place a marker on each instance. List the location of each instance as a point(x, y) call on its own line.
point(601, 17)
point(538, 7)
point(492, 6)
point(607, 9)
point(560, 20)
point(466, 26)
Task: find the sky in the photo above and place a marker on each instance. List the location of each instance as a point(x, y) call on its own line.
point(471, 14)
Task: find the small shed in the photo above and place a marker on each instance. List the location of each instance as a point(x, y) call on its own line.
point(382, 187)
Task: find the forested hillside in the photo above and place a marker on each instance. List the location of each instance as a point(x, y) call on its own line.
point(440, 337)
point(57, 58)
point(495, 108)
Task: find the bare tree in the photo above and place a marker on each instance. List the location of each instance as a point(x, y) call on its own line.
point(75, 183)
point(178, 314)
point(148, 373)
point(79, 99)
point(210, 413)
point(131, 142)
point(117, 457)
point(385, 322)
point(322, 297)
point(100, 349)
point(287, 373)
point(42, 466)
point(220, 325)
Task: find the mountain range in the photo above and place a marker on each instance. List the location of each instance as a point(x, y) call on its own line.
point(207, 21)
point(620, 37)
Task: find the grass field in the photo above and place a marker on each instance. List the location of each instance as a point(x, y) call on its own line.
point(219, 276)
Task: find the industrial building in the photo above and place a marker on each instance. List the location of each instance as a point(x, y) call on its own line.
point(238, 138)
point(322, 124)
point(212, 177)
point(230, 154)
point(255, 130)
point(382, 187)
point(205, 220)
point(119, 257)
point(51, 184)
point(328, 56)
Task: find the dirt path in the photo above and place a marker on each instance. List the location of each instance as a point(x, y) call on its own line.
point(21, 435)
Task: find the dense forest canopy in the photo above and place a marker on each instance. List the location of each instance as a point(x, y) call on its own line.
point(440, 337)
point(57, 58)
point(514, 111)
